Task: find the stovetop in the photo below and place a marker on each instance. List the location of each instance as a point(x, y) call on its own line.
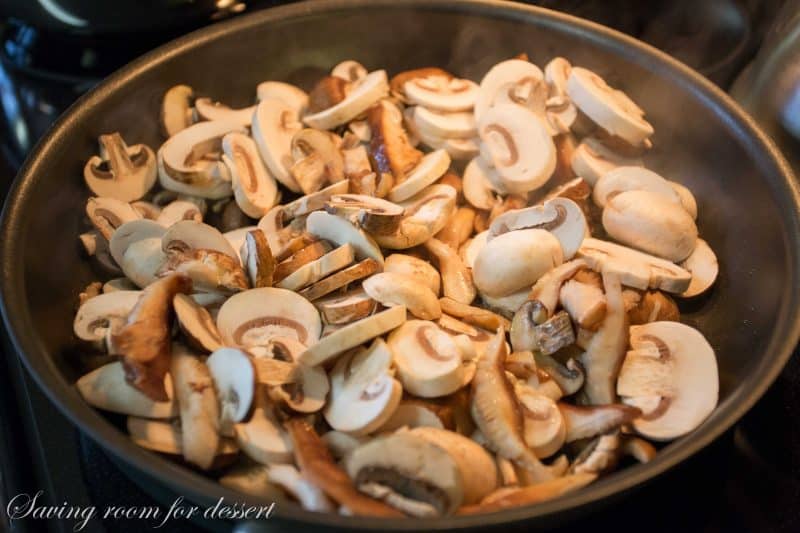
point(748, 480)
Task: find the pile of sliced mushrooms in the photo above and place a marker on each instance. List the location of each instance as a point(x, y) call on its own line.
point(418, 296)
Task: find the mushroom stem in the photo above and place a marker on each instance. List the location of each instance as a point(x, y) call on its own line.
point(456, 277)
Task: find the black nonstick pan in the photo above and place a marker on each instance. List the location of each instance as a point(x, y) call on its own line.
point(748, 201)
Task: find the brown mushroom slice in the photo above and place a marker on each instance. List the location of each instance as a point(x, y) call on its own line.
point(208, 109)
point(476, 316)
point(194, 389)
point(415, 267)
point(292, 96)
point(178, 210)
point(187, 235)
point(347, 307)
point(702, 264)
point(441, 93)
point(391, 289)
point(310, 497)
point(341, 232)
point(253, 317)
point(262, 438)
point(653, 306)
point(586, 304)
point(143, 342)
point(352, 335)
point(428, 170)
point(257, 259)
point(591, 160)
point(314, 201)
point(457, 281)
point(96, 316)
point(125, 173)
point(317, 159)
point(191, 156)
point(305, 255)
point(314, 271)
point(340, 279)
point(426, 213)
point(196, 324)
point(275, 124)
point(106, 388)
point(209, 270)
point(361, 97)
point(374, 215)
point(458, 228)
point(364, 395)
point(479, 189)
point(176, 109)
point(671, 375)
point(254, 188)
point(409, 473)
point(108, 214)
point(136, 248)
point(635, 269)
point(544, 427)
point(514, 260)
point(590, 421)
point(317, 464)
point(389, 145)
point(512, 71)
point(632, 178)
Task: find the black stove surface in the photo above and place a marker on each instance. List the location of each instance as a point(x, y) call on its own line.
point(748, 480)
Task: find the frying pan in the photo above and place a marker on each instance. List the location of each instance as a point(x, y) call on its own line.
point(747, 196)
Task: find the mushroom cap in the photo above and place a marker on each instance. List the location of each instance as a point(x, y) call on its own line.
point(457, 125)
point(503, 73)
point(252, 317)
point(470, 249)
point(143, 238)
point(340, 231)
point(180, 157)
point(687, 198)
point(292, 96)
point(97, 315)
point(543, 426)
point(275, 123)
point(591, 160)
point(392, 288)
point(632, 178)
point(479, 189)
point(105, 387)
point(556, 74)
point(430, 168)
point(671, 375)
point(369, 90)
point(426, 213)
point(515, 260)
point(188, 235)
point(703, 265)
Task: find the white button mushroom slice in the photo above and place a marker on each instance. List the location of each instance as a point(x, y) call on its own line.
point(459, 149)
point(196, 324)
point(374, 215)
point(519, 146)
point(367, 92)
point(257, 259)
point(441, 93)
point(671, 374)
point(317, 159)
point(341, 444)
point(649, 222)
point(108, 214)
point(457, 281)
point(600, 456)
point(586, 304)
point(349, 70)
point(426, 213)
point(147, 210)
point(176, 109)
point(311, 498)
point(254, 188)
point(188, 235)
point(703, 265)
point(208, 109)
point(591, 160)
point(105, 388)
point(345, 308)
point(478, 337)
point(412, 414)
point(262, 438)
point(364, 395)
point(352, 335)
point(275, 123)
point(547, 288)
point(307, 391)
point(280, 235)
point(409, 473)
point(341, 232)
point(543, 426)
point(427, 359)
point(236, 238)
point(478, 188)
point(631, 178)
point(391, 289)
point(417, 268)
point(611, 109)
point(136, 248)
point(234, 378)
point(178, 210)
point(216, 188)
point(253, 317)
point(191, 156)
point(99, 314)
point(635, 269)
point(503, 73)
point(560, 216)
point(430, 168)
point(687, 198)
point(125, 173)
point(458, 125)
point(341, 279)
point(515, 260)
point(253, 479)
point(316, 270)
point(199, 411)
point(314, 201)
point(471, 248)
point(584, 422)
point(292, 96)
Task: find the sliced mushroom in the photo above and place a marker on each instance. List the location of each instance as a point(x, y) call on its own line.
point(208, 109)
point(547, 288)
point(254, 188)
point(364, 395)
point(441, 93)
point(477, 337)
point(477, 316)
point(511, 72)
point(341, 232)
point(374, 215)
point(108, 214)
point(584, 422)
point(508, 305)
point(319, 268)
point(391, 289)
point(430, 168)
point(520, 147)
point(187, 235)
point(645, 220)
point(635, 269)
point(389, 146)
point(399, 80)
point(136, 248)
point(253, 479)
point(96, 316)
point(275, 124)
point(310, 497)
point(569, 377)
point(283, 237)
point(456, 125)
point(292, 96)
point(262, 438)
point(257, 259)
point(317, 159)
point(586, 304)
point(199, 412)
point(155, 435)
point(639, 449)
point(409, 473)
point(591, 160)
point(687, 198)
point(471, 248)
point(514, 260)
point(426, 213)
point(544, 427)
point(340, 279)
point(479, 189)
point(125, 173)
point(352, 335)
point(458, 228)
point(209, 270)
point(196, 324)
point(458, 149)
point(341, 444)
point(653, 306)
point(118, 284)
point(412, 414)
point(349, 70)
point(178, 210)
point(420, 270)
point(703, 265)
point(176, 109)
point(632, 178)
point(347, 307)
point(106, 388)
point(191, 157)
point(234, 378)
point(457, 281)
point(600, 456)
point(314, 201)
point(361, 97)
point(671, 375)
